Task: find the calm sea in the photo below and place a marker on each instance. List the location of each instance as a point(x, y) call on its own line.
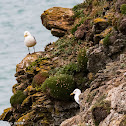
point(16, 16)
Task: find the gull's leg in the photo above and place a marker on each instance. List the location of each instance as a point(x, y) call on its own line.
point(34, 49)
point(29, 50)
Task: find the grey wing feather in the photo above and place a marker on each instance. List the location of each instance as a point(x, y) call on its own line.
point(34, 38)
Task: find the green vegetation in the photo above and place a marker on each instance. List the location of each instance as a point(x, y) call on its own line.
point(82, 59)
point(33, 64)
point(70, 69)
point(17, 98)
point(39, 79)
point(65, 46)
point(59, 87)
point(123, 9)
point(78, 6)
point(106, 40)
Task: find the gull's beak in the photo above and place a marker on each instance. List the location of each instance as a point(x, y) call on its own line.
point(72, 94)
point(25, 35)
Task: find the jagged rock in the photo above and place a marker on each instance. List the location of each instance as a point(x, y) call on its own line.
point(28, 60)
point(6, 114)
point(58, 20)
point(115, 118)
point(29, 90)
point(57, 32)
point(98, 37)
point(122, 26)
point(96, 59)
point(100, 25)
point(118, 97)
point(84, 31)
point(20, 72)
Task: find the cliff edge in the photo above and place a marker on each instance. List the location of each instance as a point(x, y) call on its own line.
point(90, 54)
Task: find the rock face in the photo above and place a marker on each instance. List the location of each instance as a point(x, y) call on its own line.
point(92, 55)
point(37, 108)
point(58, 20)
point(104, 103)
point(122, 26)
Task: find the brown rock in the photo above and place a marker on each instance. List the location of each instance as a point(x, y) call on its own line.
point(57, 32)
point(122, 26)
point(59, 19)
point(28, 60)
point(83, 30)
point(100, 24)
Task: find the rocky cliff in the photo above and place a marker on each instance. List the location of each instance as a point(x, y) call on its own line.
point(90, 54)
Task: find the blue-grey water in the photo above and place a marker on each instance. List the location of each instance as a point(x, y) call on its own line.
point(16, 16)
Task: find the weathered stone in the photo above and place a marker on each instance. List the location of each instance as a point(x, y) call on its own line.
point(58, 20)
point(20, 72)
point(122, 26)
point(28, 60)
point(100, 24)
point(57, 32)
point(96, 59)
point(29, 90)
point(118, 98)
point(100, 36)
point(6, 114)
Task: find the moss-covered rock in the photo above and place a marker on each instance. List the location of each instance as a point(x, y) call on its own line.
point(29, 90)
point(100, 24)
point(103, 34)
point(100, 111)
point(59, 87)
point(6, 114)
point(17, 98)
point(39, 79)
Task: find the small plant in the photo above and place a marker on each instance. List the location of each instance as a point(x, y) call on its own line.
point(106, 40)
point(75, 28)
point(39, 79)
point(78, 6)
point(82, 59)
point(59, 87)
point(70, 69)
point(17, 98)
point(123, 9)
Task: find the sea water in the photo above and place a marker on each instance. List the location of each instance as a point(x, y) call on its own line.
point(17, 16)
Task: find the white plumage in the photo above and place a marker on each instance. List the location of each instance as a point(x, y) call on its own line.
point(76, 93)
point(29, 40)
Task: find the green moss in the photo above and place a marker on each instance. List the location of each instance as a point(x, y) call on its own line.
point(17, 98)
point(35, 63)
point(59, 87)
point(39, 79)
point(78, 13)
point(123, 9)
point(70, 69)
point(106, 40)
point(82, 59)
point(65, 46)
